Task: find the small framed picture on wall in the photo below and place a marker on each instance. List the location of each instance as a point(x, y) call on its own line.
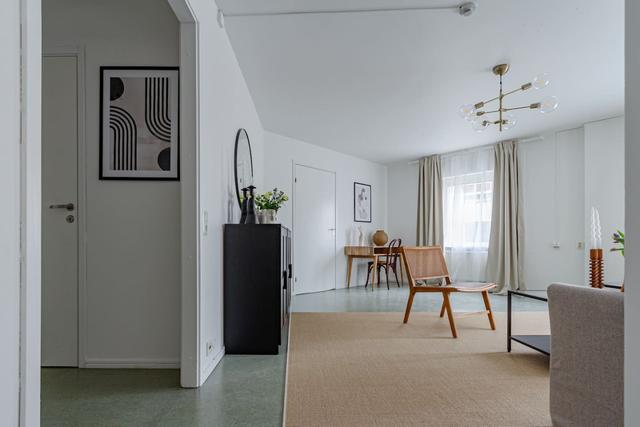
point(361, 202)
point(139, 132)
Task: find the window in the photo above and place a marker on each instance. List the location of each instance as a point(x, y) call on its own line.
point(467, 204)
point(467, 180)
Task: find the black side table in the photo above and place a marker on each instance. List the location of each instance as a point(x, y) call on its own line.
point(541, 343)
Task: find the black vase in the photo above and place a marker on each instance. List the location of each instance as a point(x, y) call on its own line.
point(244, 206)
point(251, 208)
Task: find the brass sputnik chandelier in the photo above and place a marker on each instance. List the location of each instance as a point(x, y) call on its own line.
point(477, 113)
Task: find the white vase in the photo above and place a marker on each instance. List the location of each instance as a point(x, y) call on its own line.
point(269, 216)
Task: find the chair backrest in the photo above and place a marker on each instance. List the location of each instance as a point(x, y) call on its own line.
point(424, 263)
point(392, 250)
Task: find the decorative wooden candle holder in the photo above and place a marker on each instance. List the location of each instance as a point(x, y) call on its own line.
point(596, 268)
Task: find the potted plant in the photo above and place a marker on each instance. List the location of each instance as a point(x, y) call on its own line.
point(618, 239)
point(269, 203)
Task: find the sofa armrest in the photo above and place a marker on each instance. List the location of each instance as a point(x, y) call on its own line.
point(587, 356)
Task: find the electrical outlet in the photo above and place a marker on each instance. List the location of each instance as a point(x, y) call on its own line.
point(205, 223)
point(209, 348)
point(580, 245)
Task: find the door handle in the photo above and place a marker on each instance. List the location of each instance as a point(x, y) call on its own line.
point(332, 229)
point(67, 206)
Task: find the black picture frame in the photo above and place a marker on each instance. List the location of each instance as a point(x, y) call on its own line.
point(357, 186)
point(101, 159)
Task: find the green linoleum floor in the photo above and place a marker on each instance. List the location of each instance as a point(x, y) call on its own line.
point(242, 391)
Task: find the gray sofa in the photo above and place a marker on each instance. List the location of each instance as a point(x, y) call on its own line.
point(587, 356)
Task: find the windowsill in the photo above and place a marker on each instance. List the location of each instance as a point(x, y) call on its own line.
point(467, 250)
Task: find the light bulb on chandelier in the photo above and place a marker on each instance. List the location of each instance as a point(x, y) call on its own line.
point(509, 121)
point(467, 112)
point(540, 81)
point(479, 112)
point(479, 125)
point(548, 104)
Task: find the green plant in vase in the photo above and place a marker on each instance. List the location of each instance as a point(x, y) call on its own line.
point(269, 203)
point(618, 239)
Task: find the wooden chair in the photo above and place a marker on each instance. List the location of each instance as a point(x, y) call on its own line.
point(428, 264)
point(387, 261)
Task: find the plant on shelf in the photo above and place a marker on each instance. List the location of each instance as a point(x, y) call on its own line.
point(618, 239)
point(271, 200)
point(269, 203)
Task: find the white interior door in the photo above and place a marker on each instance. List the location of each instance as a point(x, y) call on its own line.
point(59, 224)
point(314, 230)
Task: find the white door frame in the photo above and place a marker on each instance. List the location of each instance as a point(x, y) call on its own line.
point(191, 372)
point(81, 197)
point(293, 219)
point(30, 45)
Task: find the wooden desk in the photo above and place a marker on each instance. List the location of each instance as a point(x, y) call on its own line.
point(372, 253)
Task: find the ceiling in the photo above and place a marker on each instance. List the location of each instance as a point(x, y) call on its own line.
point(387, 86)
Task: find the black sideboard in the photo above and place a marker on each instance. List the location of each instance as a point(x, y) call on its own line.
point(257, 287)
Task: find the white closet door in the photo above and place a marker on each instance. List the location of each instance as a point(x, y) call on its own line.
point(59, 225)
point(314, 230)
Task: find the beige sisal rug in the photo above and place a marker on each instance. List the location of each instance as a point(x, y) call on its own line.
point(368, 369)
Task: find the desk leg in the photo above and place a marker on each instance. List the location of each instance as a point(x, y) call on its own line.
point(349, 265)
point(509, 322)
point(401, 259)
point(375, 272)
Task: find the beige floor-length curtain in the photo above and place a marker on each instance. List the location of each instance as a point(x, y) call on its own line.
point(506, 243)
point(430, 228)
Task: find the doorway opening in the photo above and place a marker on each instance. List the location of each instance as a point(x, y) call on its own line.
point(111, 250)
point(111, 256)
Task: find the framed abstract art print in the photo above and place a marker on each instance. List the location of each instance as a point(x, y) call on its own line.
point(139, 129)
point(361, 202)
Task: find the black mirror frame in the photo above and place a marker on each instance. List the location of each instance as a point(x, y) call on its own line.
point(235, 161)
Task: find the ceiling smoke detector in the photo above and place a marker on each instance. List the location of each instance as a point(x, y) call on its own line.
point(467, 9)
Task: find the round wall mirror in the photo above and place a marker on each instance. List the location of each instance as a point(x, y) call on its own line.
point(243, 168)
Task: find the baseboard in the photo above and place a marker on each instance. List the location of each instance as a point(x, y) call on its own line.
point(132, 363)
point(211, 366)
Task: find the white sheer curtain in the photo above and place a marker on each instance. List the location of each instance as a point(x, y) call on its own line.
point(467, 179)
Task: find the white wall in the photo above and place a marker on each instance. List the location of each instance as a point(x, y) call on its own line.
point(563, 174)
point(223, 105)
point(282, 152)
point(632, 213)
point(10, 213)
point(553, 199)
point(402, 206)
point(604, 186)
point(133, 232)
